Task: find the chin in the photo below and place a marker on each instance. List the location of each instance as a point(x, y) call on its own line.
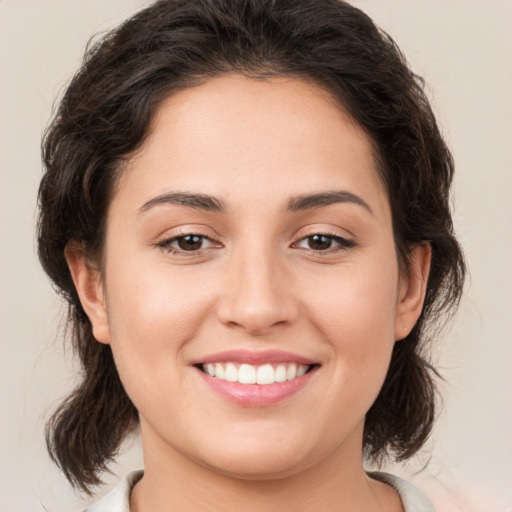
point(266, 460)
point(256, 468)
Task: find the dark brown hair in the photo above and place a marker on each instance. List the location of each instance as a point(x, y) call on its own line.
point(105, 114)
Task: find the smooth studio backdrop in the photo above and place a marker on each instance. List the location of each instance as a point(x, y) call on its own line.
point(463, 48)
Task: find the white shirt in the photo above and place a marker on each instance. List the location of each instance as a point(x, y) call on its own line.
point(118, 499)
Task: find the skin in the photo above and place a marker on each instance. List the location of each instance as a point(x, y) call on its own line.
point(256, 284)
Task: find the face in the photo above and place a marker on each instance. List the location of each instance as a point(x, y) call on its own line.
point(251, 292)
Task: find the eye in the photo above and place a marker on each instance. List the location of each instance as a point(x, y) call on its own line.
point(189, 243)
point(321, 242)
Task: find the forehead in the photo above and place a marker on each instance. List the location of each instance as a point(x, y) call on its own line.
point(233, 135)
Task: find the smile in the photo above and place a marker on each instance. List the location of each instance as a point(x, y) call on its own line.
point(264, 374)
point(255, 378)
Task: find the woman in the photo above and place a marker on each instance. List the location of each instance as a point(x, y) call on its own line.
point(246, 205)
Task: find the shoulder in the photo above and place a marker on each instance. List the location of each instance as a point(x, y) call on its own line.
point(413, 499)
point(118, 499)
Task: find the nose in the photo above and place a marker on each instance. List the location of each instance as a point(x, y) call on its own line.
point(258, 295)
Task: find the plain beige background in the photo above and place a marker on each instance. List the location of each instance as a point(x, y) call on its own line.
point(464, 50)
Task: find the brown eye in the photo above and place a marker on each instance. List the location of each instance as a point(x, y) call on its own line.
point(320, 242)
point(190, 242)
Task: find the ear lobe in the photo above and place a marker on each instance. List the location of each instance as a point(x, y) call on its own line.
point(412, 290)
point(87, 280)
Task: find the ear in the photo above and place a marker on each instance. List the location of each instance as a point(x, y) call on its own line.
point(88, 284)
point(412, 290)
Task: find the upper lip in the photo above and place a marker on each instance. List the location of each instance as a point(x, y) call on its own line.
point(255, 357)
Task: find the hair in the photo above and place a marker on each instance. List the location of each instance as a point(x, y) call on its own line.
point(105, 115)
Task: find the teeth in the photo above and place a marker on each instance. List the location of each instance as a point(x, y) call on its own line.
point(280, 374)
point(265, 374)
point(231, 373)
point(301, 370)
point(219, 371)
point(249, 374)
point(291, 372)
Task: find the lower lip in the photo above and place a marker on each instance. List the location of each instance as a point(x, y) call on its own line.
point(256, 395)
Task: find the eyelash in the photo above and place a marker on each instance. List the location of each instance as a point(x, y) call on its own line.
point(166, 244)
point(343, 244)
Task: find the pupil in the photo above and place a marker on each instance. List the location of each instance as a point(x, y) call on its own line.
point(190, 242)
point(320, 242)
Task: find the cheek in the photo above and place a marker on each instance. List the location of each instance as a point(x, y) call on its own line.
point(362, 297)
point(153, 316)
point(355, 312)
point(153, 312)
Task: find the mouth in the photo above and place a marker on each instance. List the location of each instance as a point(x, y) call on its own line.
point(256, 379)
point(262, 374)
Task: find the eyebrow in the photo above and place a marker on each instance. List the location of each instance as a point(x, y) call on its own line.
point(309, 201)
point(296, 203)
point(196, 201)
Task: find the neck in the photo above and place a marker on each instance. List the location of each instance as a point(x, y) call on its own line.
point(338, 482)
